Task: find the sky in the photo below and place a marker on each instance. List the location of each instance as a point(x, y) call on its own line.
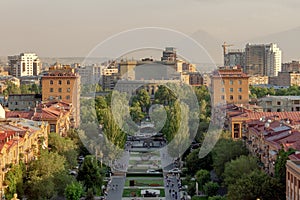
point(70, 28)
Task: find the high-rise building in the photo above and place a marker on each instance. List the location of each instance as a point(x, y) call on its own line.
point(89, 74)
point(63, 83)
point(293, 66)
point(262, 59)
point(169, 54)
point(234, 57)
point(25, 64)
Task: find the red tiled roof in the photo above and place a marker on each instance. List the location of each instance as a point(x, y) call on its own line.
point(281, 115)
point(19, 114)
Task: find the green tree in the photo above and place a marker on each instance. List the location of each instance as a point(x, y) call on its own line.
point(64, 146)
point(217, 198)
point(74, 191)
point(226, 150)
point(142, 99)
point(136, 112)
point(194, 163)
point(254, 185)
point(11, 89)
point(211, 188)
point(164, 96)
point(14, 180)
point(90, 174)
point(202, 177)
point(235, 169)
point(41, 175)
point(280, 164)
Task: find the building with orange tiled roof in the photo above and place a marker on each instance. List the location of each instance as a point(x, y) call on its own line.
point(56, 113)
point(229, 85)
point(63, 83)
point(267, 136)
point(237, 124)
point(20, 139)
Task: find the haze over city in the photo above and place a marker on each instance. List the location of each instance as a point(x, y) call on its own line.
point(74, 28)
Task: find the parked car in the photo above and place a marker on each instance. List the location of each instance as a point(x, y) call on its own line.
point(175, 170)
point(152, 171)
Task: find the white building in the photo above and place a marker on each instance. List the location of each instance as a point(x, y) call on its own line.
point(273, 60)
point(25, 64)
point(90, 74)
point(262, 59)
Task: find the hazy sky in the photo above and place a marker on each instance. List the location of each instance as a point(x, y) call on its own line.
point(60, 28)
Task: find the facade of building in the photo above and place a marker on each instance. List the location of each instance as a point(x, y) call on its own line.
point(89, 74)
point(234, 57)
point(195, 79)
point(258, 80)
point(230, 86)
point(237, 121)
point(267, 136)
point(293, 66)
point(23, 101)
point(25, 64)
point(262, 59)
point(169, 55)
point(62, 83)
point(293, 180)
point(57, 114)
point(279, 103)
point(20, 139)
point(286, 79)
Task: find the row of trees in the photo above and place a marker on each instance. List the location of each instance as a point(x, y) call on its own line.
point(258, 92)
point(23, 89)
point(237, 171)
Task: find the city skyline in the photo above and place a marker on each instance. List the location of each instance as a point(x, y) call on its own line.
point(74, 28)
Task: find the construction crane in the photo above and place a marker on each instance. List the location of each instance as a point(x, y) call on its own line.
point(224, 46)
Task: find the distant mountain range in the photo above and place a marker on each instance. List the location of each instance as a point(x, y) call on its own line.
point(288, 41)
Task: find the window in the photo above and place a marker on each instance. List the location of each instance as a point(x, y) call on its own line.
point(231, 89)
point(222, 97)
point(240, 97)
point(51, 89)
point(222, 89)
point(68, 82)
point(59, 97)
point(51, 82)
point(68, 97)
point(52, 128)
point(231, 97)
point(59, 82)
point(240, 89)
point(278, 103)
point(68, 89)
point(240, 82)
point(59, 90)
point(231, 82)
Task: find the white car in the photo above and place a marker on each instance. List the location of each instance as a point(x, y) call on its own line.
point(175, 170)
point(152, 171)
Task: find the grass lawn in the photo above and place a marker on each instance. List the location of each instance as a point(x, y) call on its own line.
point(145, 182)
point(137, 192)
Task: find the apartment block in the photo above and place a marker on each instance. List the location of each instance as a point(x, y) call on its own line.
point(63, 83)
point(229, 85)
point(279, 103)
point(25, 64)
